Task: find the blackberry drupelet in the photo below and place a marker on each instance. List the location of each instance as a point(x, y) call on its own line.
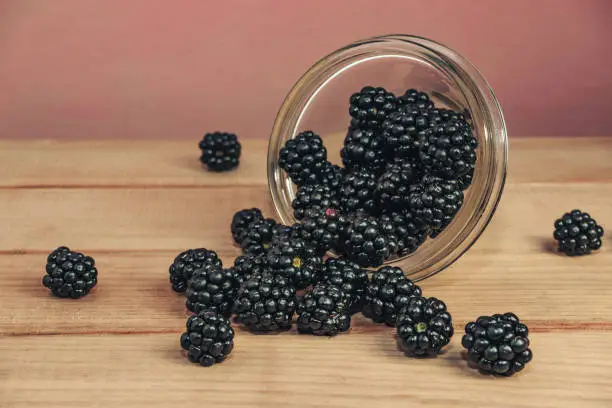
point(266, 303)
point(247, 266)
point(436, 201)
point(415, 99)
point(349, 277)
point(498, 344)
point(241, 222)
point(386, 294)
point(392, 191)
point(324, 229)
point(424, 326)
point(220, 151)
point(315, 197)
point(295, 260)
point(211, 288)
point(366, 243)
point(209, 338)
point(187, 262)
point(363, 149)
point(577, 233)
point(258, 237)
point(410, 233)
point(448, 150)
point(402, 133)
point(371, 106)
point(324, 311)
point(70, 274)
point(304, 158)
point(358, 192)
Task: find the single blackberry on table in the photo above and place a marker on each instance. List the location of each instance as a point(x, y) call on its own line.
point(324, 311)
point(220, 151)
point(403, 131)
point(387, 293)
point(209, 338)
point(349, 277)
point(448, 150)
point(410, 233)
point(498, 344)
point(295, 260)
point(304, 158)
point(324, 229)
point(266, 303)
point(189, 261)
point(314, 197)
point(259, 236)
point(211, 288)
point(424, 326)
point(577, 233)
point(371, 106)
point(363, 148)
point(241, 222)
point(358, 192)
point(247, 266)
point(366, 243)
point(392, 191)
point(436, 201)
point(70, 274)
point(415, 99)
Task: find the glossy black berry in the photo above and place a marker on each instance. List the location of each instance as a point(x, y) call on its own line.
point(371, 106)
point(324, 229)
point(189, 261)
point(304, 158)
point(366, 242)
point(415, 99)
point(259, 237)
point(577, 233)
point(247, 266)
point(403, 131)
point(266, 303)
point(358, 192)
point(392, 190)
point(436, 201)
point(70, 274)
point(387, 293)
point(209, 338)
point(324, 311)
point(295, 260)
point(363, 148)
point(211, 288)
point(424, 326)
point(220, 151)
point(241, 222)
point(497, 344)
point(332, 176)
point(314, 197)
point(409, 232)
point(349, 277)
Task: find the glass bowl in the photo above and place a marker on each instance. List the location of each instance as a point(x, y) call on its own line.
point(319, 102)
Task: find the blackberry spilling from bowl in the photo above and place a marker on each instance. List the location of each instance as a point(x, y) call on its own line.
point(406, 166)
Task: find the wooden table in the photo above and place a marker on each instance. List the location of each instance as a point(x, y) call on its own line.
point(134, 205)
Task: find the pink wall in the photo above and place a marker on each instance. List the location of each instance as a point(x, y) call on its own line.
point(175, 68)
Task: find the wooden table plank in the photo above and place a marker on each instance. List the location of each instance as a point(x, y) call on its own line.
point(569, 370)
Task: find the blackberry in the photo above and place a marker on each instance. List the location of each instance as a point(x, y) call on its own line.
point(189, 261)
point(409, 232)
point(241, 222)
point(209, 338)
point(402, 132)
point(424, 326)
point(211, 288)
point(324, 229)
point(577, 233)
point(387, 293)
point(366, 243)
point(436, 201)
point(295, 260)
point(220, 151)
point(436, 117)
point(371, 106)
point(70, 274)
point(266, 303)
point(363, 148)
point(259, 236)
point(358, 192)
point(447, 150)
point(415, 99)
point(393, 186)
point(247, 266)
point(324, 311)
point(498, 344)
point(332, 176)
point(465, 181)
point(314, 196)
point(304, 158)
point(349, 277)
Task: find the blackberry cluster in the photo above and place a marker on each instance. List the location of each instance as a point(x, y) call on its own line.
point(324, 311)
point(70, 274)
point(393, 186)
point(436, 201)
point(363, 148)
point(304, 158)
point(498, 344)
point(387, 293)
point(371, 106)
point(266, 303)
point(220, 151)
point(295, 260)
point(242, 221)
point(415, 99)
point(314, 197)
point(408, 231)
point(211, 288)
point(366, 242)
point(187, 262)
point(349, 277)
point(424, 326)
point(323, 229)
point(577, 233)
point(209, 338)
point(259, 236)
point(358, 192)
point(403, 132)
point(247, 266)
